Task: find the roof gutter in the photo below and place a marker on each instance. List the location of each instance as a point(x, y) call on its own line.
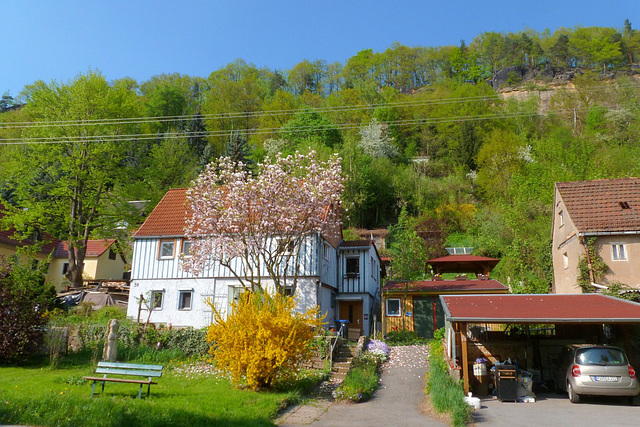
point(544, 321)
point(607, 233)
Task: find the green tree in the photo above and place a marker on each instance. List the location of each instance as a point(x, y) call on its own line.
point(408, 251)
point(309, 126)
point(63, 180)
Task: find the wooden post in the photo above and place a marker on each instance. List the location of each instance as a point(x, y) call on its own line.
point(465, 361)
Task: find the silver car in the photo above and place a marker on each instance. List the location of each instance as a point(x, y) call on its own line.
point(597, 370)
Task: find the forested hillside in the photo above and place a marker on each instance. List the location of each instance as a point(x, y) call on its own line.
point(433, 144)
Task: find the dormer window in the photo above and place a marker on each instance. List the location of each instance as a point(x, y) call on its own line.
point(624, 205)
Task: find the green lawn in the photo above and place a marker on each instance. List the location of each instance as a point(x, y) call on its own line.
point(59, 397)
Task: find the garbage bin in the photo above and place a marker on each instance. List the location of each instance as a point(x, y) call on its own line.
point(506, 383)
point(481, 376)
point(344, 324)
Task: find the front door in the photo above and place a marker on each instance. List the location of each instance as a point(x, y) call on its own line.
point(352, 311)
point(428, 316)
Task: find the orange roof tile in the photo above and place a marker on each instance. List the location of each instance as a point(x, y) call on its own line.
point(603, 205)
point(95, 248)
point(168, 217)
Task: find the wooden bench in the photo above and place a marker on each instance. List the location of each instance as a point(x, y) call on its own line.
point(124, 370)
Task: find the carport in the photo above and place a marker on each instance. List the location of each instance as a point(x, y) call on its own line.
point(484, 325)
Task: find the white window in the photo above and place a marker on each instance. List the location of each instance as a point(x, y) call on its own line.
point(393, 307)
point(565, 260)
point(157, 300)
point(618, 252)
point(185, 299)
point(166, 249)
point(561, 218)
point(186, 247)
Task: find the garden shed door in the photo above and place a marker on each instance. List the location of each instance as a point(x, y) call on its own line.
point(428, 315)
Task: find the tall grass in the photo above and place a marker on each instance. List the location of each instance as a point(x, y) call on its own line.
point(447, 395)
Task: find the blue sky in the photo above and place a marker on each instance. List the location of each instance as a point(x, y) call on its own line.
point(56, 40)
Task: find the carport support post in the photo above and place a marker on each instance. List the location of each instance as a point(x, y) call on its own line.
point(465, 361)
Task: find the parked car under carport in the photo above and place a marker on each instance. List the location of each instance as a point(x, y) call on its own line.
point(572, 319)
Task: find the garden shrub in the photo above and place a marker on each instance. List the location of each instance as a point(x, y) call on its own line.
point(399, 337)
point(262, 337)
point(25, 299)
point(136, 341)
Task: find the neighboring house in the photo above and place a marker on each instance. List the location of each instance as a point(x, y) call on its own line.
point(607, 210)
point(9, 245)
point(359, 286)
point(330, 276)
point(415, 305)
point(102, 261)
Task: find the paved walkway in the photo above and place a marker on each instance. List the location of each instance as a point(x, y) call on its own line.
point(397, 402)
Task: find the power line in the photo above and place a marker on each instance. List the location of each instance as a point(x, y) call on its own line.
point(282, 112)
point(262, 131)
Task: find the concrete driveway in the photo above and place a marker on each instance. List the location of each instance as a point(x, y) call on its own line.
point(551, 409)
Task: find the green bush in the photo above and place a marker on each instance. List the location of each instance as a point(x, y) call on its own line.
point(404, 338)
point(447, 395)
point(136, 341)
point(25, 300)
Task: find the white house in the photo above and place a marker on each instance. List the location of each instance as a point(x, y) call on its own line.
point(180, 298)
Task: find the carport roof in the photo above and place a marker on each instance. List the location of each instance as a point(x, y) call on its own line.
point(540, 308)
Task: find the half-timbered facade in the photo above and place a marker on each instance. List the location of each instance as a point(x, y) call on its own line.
point(163, 292)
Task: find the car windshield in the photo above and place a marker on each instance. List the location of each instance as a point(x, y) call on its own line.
point(601, 356)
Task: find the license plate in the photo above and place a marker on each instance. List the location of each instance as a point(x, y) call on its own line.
point(605, 379)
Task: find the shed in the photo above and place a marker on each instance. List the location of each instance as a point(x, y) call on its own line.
point(415, 305)
point(572, 316)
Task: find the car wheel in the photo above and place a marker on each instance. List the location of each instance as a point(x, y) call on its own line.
point(633, 400)
point(573, 396)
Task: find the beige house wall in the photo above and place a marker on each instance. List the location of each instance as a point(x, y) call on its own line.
point(623, 271)
point(106, 268)
point(100, 268)
point(567, 251)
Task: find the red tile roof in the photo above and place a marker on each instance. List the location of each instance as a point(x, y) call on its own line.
point(95, 248)
point(597, 206)
point(168, 217)
point(463, 264)
point(445, 286)
point(6, 236)
point(543, 308)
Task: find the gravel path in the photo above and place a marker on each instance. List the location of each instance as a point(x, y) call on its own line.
point(396, 402)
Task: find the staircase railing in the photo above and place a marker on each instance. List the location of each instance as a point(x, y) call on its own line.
point(334, 344)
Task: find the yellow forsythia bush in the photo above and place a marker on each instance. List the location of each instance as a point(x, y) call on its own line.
point(262, 336)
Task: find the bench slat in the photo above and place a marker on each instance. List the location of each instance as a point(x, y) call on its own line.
point(130, 366)
point(116, 371)
point(119, 380)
